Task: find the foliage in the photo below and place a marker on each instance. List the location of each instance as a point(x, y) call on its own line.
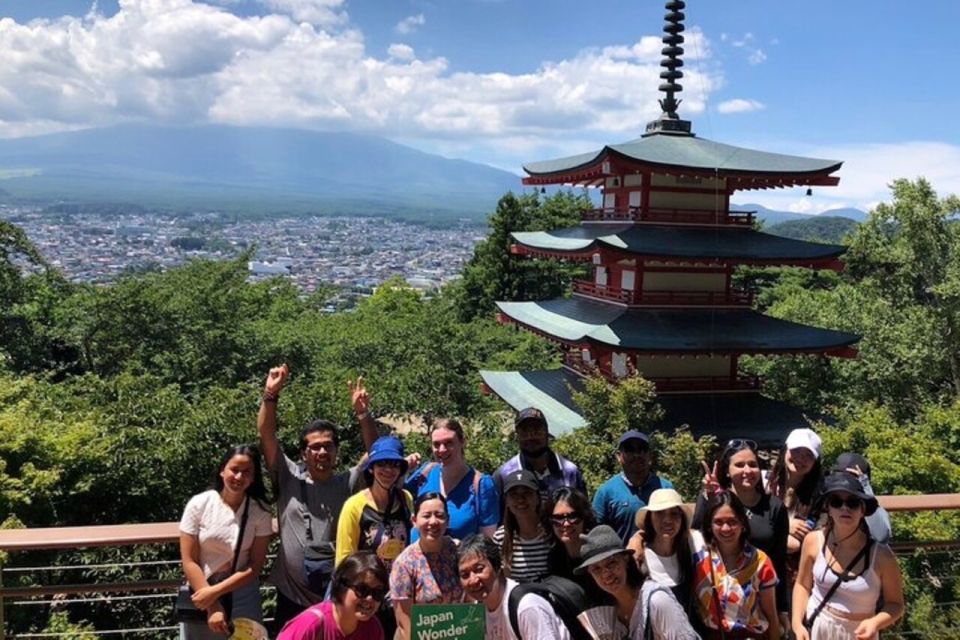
point(828, 229)
point(494, 273)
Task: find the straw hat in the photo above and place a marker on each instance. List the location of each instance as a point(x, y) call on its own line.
point(661, 500)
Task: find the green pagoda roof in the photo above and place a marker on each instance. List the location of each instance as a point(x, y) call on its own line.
point(736, 415)
point(679, 152)
point(663, 241)
point(693, 330)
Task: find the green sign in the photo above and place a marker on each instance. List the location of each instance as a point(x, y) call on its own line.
point(442, 621)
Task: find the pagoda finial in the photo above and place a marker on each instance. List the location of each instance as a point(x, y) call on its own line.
point(669, 121)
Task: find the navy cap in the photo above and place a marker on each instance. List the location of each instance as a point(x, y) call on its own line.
point(530, 415)
point(633, 435)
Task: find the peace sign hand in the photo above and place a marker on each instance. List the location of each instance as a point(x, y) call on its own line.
point(359, 397)
point(711, 484)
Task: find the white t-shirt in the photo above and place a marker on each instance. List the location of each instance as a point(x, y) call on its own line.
point(217, 526)
point(665, 570)
point(535, 617)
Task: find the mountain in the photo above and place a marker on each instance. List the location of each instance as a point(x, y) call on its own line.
point(772, 216)
point(249, 169)
point(821, 228)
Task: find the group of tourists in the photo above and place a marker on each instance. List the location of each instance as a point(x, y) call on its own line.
point(789, 552)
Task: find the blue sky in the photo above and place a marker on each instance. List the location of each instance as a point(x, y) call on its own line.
point(508, 81)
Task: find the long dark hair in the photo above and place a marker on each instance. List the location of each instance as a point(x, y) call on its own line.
point(257, 489)
point(577, 501)
point(681, 545)
point(511, 527)
point(806, 492)
point(726, 499)
point(723, 464)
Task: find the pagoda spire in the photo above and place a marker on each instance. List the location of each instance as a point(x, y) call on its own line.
point(669, 121)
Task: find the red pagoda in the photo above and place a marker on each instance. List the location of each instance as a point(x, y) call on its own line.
point(661, 300)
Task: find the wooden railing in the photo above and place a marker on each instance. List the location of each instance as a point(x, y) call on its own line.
point(19, 541)
point(732, 298)
point(674, 216)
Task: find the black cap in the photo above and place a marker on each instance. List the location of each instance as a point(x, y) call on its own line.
point(850, 460)
point(532, 415)
point(839, 481)
point(522, 478)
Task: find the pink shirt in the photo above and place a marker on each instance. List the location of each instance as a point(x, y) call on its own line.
point(316, 623)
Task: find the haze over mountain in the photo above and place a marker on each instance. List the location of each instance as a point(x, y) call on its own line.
point(249, 168)
point(772, 216)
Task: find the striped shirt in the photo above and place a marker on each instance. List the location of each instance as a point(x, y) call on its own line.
point(530, 561)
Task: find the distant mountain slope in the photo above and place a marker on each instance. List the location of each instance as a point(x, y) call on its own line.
point(772, 216)
point(242, 167)
point(822, 228)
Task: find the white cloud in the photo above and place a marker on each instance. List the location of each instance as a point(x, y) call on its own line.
point(317, 12)
point(739, 105)
point(867, 171)
point(755, 55)
point(401, 52)
point(410, 24)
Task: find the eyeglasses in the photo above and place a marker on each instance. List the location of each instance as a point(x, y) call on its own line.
point(635, 450)
point(395, 464)
point(561, 518)
point(364, 591)
point(737, 443)
point(852, 502)
point(317, 447)
point(732, 523)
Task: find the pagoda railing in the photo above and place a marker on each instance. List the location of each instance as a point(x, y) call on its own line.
point(156, 596)
point(732, 298)
point(666, 215)
point(706, 383)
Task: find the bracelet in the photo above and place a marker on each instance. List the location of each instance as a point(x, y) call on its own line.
point(270, 397)
point(363, 416)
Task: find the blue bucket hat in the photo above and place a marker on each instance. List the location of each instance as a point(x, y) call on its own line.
point(386, 448)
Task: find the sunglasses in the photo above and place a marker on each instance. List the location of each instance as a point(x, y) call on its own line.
point(570, 518)
point(393, 464)
point(365, 591)
point(852, 503)
point(737, 444)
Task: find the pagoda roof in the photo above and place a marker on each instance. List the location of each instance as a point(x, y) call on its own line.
point(578, 320)
point(668, 153)
point(667, 241)
point(726, 416)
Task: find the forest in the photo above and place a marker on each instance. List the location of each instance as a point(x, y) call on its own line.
point(116, 401)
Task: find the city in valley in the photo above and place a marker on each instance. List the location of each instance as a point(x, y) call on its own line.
point(353, 254)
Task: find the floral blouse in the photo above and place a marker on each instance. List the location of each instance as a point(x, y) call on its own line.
point(426, 578)
point(731, 597)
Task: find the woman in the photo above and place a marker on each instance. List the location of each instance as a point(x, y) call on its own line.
point(358, 587)
point(665, 545)
point(524, 542)
point(224, 533)
point(378, 518)
point(738, 471)
point(570, 514)
point(844, 572)
point(426, 571)
point(639, 607)
point(472, 499)
point(734, 581)
point(795, 479)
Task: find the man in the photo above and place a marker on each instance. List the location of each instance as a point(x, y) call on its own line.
point(310, 496)
point(551, 470)
point(618, 499)
point(481, 575)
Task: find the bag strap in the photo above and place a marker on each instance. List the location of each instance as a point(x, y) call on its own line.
point(305, 510)
point(476, 495)
point(243, 527)
point(808, 621)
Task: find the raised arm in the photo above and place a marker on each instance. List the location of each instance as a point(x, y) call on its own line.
point(267, 416)
point(360, 400)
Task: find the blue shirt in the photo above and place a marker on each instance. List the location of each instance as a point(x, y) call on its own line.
point(467, 510)
point(617, 501)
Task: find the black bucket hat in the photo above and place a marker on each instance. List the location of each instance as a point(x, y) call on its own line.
point(846, 482)
point(601, 543)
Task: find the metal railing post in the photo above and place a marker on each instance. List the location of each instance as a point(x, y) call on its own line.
point(3, 632)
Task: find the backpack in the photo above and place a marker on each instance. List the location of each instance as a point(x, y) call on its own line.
point(566, 597)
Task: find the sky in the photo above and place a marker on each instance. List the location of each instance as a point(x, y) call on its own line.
point(505, 82)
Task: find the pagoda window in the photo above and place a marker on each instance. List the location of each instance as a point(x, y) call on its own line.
point(636, 198)
point(601, 276)
point(633, 180)
point(586, 356)
point(686, 367)
point(618, 363)
point(666, 281)
point(628, 279)
point(609, 200)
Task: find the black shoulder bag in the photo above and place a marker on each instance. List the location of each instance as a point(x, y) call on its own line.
point(809, 620)
point(185, 610)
